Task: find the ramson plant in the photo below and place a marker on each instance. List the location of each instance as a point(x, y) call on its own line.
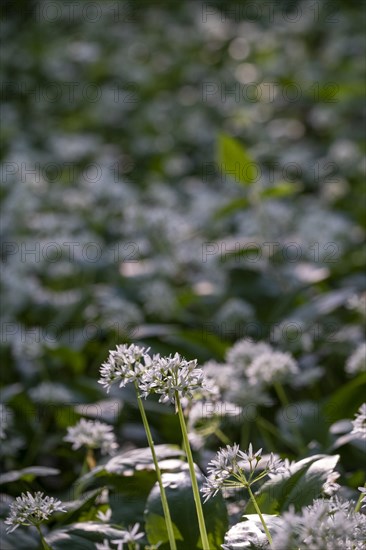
point(173, 379)
point(32, 510)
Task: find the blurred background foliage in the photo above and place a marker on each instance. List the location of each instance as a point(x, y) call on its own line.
point(121, 223)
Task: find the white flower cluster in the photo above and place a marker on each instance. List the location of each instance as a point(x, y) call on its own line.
point(359, 423)
point(129, 537)
point(93, 434)
point(171, 375)
point(124, 365)
point(250, 368)
point(233, 468)
point(326, 524)
point(271, 367)
point(357, 361)
point(164, 376)
point(244, 351)
point(31, 509)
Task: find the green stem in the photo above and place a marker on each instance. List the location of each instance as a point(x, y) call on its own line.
point(196, 492)
point(45, 546)
point(359, 502)
point(164, 500)
point(260, 516)
point(281, 394)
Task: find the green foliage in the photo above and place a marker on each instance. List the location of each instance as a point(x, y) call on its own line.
point(181, 503)
point(300, 489)
point(180, 183)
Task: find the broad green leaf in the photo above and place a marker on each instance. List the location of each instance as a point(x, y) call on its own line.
point(183, 513)
point(130, 477)
point(234, 160)
point(22, 539)
point(307, 422)
point(140, 459)
point(28, 474)
point(299, 489)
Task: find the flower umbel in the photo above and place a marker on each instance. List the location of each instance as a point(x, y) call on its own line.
point(232, 468)
point(93, 434)
point(168, 375)
point(125, 364)
point(31, 509)
point(326, 524)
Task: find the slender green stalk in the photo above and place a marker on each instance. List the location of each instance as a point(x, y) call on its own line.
point(260, 516)
point(45, 546)
point(281, 394)
point(196, 492)
point(359, 502)
point(164, 500)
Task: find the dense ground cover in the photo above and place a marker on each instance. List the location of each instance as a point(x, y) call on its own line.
point(185, 177)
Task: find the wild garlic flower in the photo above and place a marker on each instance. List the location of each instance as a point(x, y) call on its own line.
point(104, 517)
point(168, 375)
point(233, 467)
point(125, 364)
point(359, 423)
point(357, 361)
point(271, 367)
point(94, 435)
point(326, 524)
point(31, 509)
point(130, 537)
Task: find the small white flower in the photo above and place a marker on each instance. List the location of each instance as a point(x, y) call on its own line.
point(130, 536)
point(31, 509)
point(359, 423)
point(104, 516)
point(93, 434)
